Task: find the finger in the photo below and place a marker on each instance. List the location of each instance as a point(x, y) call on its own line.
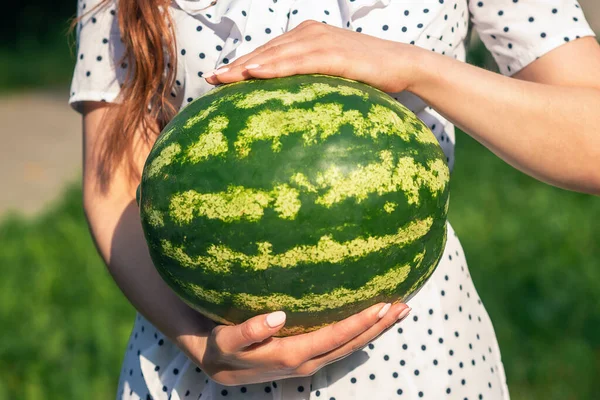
point(279, 40)
point(231, 339)
point(324, 340)
point(288, 53)
point(287, 37)
point(256, 56)
point(320, 61)
point(360, 341)
point(291, 60)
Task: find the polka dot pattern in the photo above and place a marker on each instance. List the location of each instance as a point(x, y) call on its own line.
point(447, 347)
point(518, 32)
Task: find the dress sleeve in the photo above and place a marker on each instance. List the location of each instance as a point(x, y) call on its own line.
point(517, 32)
point(99, 71)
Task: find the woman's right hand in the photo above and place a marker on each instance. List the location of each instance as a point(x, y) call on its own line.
point(247, 353)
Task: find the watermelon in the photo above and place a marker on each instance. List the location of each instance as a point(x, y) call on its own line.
point(312, 194)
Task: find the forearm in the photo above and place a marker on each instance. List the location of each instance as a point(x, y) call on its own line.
point(117, 231)
point(549, 132)
point(115, 225)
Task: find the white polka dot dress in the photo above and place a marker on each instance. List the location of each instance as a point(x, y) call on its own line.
point(446, 348)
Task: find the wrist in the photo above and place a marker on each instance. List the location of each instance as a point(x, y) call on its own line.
point(424, 64)
point(191, 334)
point(190, 324)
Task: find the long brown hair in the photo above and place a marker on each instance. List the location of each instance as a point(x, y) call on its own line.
point(147, 32)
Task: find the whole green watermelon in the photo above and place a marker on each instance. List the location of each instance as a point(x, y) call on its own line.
point(312, 194)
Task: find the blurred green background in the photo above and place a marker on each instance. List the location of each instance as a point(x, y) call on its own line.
point(532, 249)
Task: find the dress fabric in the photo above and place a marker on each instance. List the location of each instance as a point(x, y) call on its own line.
point(447, 347)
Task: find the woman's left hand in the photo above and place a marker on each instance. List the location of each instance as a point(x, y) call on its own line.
point(315, 47)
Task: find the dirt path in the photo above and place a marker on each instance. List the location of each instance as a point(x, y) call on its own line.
point(40, 140)
point(40, 150)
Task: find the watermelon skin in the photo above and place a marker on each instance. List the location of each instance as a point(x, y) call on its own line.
point(312, 194)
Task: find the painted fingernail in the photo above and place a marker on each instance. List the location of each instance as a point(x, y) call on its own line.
point(404, 313)
point(275, 319)
point(251, 66)
point(220, 71)
point(384, 310)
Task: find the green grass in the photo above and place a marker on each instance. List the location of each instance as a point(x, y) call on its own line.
point(534, 256)
point(34, 64)
point(532, 250)
point(63, 322)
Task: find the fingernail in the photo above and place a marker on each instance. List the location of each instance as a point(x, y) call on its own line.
point(404, 313)
point(220, 71)
point(275, 319)
point(251, 66)
point(384, 310)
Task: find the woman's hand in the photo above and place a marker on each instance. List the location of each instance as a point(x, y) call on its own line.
point(315, 47)
point(247, 353)
point(556, 110)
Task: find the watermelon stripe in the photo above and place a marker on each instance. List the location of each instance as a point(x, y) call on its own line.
point(211, 104)
point(384, 177)
point(343, 222)
point(381, 178)
point(201, 116)
point(390, 206)
point(235, 204)
point(166, 157)
point(202, 107)
point(220, 258)
point(311, 302)
point(306, 93)
point(302, 322)
point(212, 142)
point(346, 150)
point(322, 121)
point(155, 217)
point(162, 138)
point(307, 278)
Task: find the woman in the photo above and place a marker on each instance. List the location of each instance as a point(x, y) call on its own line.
point(543, 123)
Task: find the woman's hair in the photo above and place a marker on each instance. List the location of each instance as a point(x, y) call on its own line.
point(148, 35)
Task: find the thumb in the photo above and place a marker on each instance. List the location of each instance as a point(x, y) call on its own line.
point(253, 330)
